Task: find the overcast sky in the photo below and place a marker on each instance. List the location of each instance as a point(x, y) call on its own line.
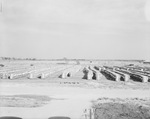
point(91, 29)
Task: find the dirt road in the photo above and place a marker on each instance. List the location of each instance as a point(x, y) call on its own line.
point(70, 101)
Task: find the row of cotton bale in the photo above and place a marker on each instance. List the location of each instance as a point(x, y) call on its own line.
point(70, 71)
point(89, 73)
point(37, 73)
point(44, 73)
point(124, 75)
point(96, 72)
point(144, 76)
point(31, 72)
point(92, 73)
point(115, 73)
point(17, 72)
point(138, 68)
point(122, 72)
point(112, 74)
point(6, 74)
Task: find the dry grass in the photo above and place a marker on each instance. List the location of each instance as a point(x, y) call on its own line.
point(29, 101)
point(134, 108)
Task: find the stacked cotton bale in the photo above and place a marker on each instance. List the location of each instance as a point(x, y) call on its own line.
point(98, 68)
point(70, 71)
point(136, 73)
point(60, 68)
point(46, 72)
point(74, 70)
point(65, 74)
point(89, 75)
point(34, 74)
point(117, 76)
point(123, 74)
point(35, 71)
point(52, 70)
point(143, 75)
point(5, 73)
point(10, 73)
point(112, 74)
point(97, 73)
point(126, 77)
point(38, 73)
point(145, 79)
point(18, 75)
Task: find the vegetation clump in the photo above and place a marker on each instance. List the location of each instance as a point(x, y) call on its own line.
point(122, 109)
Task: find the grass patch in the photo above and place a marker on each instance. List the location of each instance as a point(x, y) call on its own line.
point(134, 108)
point(28, 101)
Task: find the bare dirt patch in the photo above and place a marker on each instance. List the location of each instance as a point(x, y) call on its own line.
point(106, 108)
point(28, 101)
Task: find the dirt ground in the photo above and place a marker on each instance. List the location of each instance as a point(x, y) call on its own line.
point(68, 97)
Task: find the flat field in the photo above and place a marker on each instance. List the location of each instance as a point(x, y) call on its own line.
point(72, 96)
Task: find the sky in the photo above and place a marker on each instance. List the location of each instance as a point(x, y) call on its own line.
point(87, 29)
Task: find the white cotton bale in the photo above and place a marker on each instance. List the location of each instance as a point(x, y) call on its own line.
point(63, 75)
point(117, 77)
point(30, 76)
point(98, 75)
point(11, 76)
point(89, 75)
point(42, 76)
point(127, 78)
point(145, 79)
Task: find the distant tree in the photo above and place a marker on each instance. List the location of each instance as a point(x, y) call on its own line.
point(34, 59)
point(6, 58)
